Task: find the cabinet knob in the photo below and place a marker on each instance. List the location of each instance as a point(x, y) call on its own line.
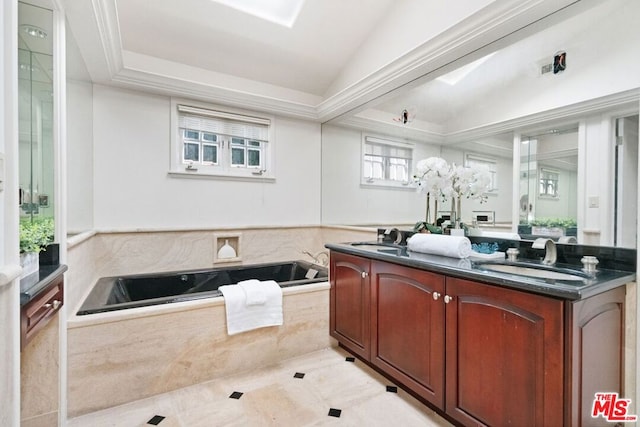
point(436, 295)
point(447, 299)
point(53, 305)
point(364, 274)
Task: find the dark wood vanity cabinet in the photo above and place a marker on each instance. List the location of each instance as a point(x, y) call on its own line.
point(37, 313)
point(504, 351)
point(480, 353)
point(407, 328)
point(350, 303)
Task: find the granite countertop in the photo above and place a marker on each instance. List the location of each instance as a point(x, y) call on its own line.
point(31, 285)
point(468, 268)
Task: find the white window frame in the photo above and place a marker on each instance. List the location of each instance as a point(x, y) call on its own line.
point(491, 164)
point(386, 181)
point(547, 175)
point(224, 167)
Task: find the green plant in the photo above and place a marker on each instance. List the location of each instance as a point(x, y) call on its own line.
point(554, 222)
point(36, 234)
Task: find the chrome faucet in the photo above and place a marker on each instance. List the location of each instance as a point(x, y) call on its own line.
point(321, 258)
point(550, 251)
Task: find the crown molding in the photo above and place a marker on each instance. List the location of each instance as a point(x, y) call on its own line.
point(156, 83)
point(106, 15)
point(491, 23)
point(627, 102)
point(398, 131)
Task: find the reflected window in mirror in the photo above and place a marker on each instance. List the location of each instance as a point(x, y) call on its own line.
point(549, 183)
point(386, 162)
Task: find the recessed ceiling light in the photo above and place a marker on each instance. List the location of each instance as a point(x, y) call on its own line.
point(282, 12)
point(34, 31)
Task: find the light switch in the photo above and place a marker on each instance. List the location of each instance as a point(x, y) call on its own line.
point(2, 172)
point(594, 201)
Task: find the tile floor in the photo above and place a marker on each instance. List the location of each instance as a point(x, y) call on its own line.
point(327, 387)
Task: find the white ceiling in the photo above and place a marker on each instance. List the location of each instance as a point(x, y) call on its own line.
point(337, 55)
point(215, 37)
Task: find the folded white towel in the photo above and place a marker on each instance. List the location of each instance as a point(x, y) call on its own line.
point(242, 317)
point(254, 292)
point(439, 244)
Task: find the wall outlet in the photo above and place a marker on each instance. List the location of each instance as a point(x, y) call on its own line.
point(594, 201)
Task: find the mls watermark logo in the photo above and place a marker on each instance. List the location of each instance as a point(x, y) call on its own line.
point(612, 408)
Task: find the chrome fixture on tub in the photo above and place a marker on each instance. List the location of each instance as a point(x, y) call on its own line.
point(550, 252)
point(321, 258)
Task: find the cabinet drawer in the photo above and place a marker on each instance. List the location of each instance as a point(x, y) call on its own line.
point(38, 312)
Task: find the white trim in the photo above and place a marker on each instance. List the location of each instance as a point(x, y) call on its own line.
point(109, 28)
point(10, 292)
point(498, 21)
point(9, 273)
point(223, 115)
point(223, 170)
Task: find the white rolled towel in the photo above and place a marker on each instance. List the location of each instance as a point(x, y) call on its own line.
point(439, 244)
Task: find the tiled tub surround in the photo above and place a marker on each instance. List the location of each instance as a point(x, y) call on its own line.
point(105, 254)
point(115, 358)
point(121, 356)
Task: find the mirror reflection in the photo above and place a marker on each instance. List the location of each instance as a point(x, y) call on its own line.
point(539, 97)
point(35, 89)
point(549, 183)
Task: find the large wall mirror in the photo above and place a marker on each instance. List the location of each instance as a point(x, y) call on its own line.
point(542, 109)
point(35, 90)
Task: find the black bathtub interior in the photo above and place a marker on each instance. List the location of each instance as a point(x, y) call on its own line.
point(117, 293)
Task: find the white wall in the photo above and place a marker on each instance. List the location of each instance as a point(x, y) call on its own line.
point(133, 190)
point(79, 156)
point(600, 62)
point(345, 201)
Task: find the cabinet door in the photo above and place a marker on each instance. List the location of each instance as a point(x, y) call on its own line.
point(504, 356)
point(349, 302)
point(407, 317)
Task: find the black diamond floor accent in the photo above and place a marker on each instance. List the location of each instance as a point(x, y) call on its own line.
point(392, 389)
point(350, 359)
point(157, 419)
point(335, 412)
point(236, 395)
point(298, 375)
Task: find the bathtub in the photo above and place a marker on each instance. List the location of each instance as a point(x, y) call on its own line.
point(119, 353)
point(122, 292)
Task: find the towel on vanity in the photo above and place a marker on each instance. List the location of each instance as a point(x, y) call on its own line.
point(242, 317)
point(439, 244)
point(254, 292)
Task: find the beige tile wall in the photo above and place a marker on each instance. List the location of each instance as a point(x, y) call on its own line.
point(114, 358)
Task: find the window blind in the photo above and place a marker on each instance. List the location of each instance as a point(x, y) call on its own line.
point(223, 123)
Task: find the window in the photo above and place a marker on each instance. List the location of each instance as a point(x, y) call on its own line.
point(213, 142)
point(549, 183)
point(386, 162)
point(475, 161)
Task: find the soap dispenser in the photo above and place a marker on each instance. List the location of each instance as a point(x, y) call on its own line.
point(226, 251)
